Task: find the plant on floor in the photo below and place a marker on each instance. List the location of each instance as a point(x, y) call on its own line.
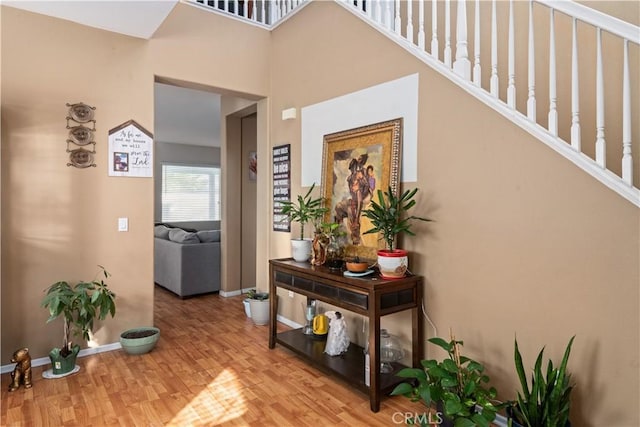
point(547, 403)
point(79, 306)
point(253, 294)
point(456, 383)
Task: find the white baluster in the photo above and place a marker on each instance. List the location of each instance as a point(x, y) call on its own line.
point(387, 14)
point(359, 5)
point(477, 71)
point(575, 91)
point(369, 9)
point(511, 85)
point(531, 100)
point(421, 24)
point(627, 160)
point(601, 157)
point(410, 21)
point(226, 5)
point(263, 17)
point(553, 97)
point(462, 65)
point(254, 11)
point(434, 30)
point(283, 4)
point(235, 7)
point(494, 86)
point(447, 33)
point(398, 23)
point(378, 12)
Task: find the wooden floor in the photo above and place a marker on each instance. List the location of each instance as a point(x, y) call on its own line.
point(211, 367)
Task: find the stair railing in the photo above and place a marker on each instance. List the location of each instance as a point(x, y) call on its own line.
point(581, 67)
point(266, 13)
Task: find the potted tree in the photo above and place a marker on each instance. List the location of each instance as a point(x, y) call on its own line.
point(303, 210)
point(548, 402)
point(79, 306)
point(456, 385)
point(386, 216)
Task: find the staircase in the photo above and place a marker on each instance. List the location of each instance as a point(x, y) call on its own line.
point(567, 74)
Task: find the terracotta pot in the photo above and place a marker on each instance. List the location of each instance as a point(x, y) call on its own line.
point(392, 264)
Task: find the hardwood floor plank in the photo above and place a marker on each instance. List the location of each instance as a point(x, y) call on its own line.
point(211, 367)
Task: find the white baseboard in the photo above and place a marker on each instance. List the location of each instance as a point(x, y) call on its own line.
point(84, 352)
point(227, 294)
point(288, 322)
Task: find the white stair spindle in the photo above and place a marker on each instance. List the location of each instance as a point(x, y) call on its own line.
point(447, 33)
point(359, 5)
point(235, 7)
point(378, 12)
point(601, 158)
point(575, 91)
point(462, 65)
point(421, 24)
point(283, 12)
point(531, 100)
point(226, 5)
point(627, 160)
point(494, 81)
point(369, 9)
point(398, 22)
point(477, 70)
point(511, 85)
point(254, 11)
point(434, 30)
point(410, 21)
point(387, 14)
point(553, 96)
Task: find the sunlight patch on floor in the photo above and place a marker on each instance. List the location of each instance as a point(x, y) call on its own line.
point(219, 402)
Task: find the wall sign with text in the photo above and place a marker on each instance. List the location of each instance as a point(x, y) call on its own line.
point(130, 151)
point(281, 185)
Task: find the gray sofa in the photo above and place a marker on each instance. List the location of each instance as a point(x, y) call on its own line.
point(187, 263)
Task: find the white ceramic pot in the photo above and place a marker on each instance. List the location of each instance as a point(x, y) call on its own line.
point(392, 264)
point(247, 307)
point(259, 311)
point(301, 249)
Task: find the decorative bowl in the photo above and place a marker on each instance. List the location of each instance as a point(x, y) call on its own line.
point(357, 266)
point(139, 340)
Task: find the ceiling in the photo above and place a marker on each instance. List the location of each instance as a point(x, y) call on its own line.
point(184, 116)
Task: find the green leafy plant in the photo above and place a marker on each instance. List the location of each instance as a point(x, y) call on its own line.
point(457, 383)
point(260, 296)
point(547, 403)
point(386, 215)
point(79, 306)
point(305, 209)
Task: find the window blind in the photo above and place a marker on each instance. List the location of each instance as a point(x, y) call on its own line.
point(190, 193)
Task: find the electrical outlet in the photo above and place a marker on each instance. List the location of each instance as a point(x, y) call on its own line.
point(290, 294)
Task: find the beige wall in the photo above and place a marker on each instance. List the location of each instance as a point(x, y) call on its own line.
point(59, 222)
point(523, 242)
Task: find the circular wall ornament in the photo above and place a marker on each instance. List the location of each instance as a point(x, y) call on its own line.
point(81, 112)
point(80, 158)
point(80, 135)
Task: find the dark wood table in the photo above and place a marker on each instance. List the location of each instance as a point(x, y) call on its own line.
point(370, 296)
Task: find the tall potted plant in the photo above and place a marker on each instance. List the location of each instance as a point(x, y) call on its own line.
point(79, 306)
point(304, 210)
point(548, 402)
point(388, 217)
point(457, 385)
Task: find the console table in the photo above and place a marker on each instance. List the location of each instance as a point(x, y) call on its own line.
point(370, 296)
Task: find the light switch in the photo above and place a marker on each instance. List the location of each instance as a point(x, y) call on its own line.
point(123, 224)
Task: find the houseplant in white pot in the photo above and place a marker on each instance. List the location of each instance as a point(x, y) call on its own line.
point(79, 306)
point(259, 303)
point(386, 216)
point(305, 209)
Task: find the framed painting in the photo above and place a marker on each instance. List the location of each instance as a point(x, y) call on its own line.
point(357, 163)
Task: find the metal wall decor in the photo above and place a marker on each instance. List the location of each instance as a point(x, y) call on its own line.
point(79, 118)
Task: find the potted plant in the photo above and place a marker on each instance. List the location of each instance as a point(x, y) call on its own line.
point(79, 306)
point(305, 209)
point(547, 402)
point(386, 216)
point(456, 385)
point(259, 303)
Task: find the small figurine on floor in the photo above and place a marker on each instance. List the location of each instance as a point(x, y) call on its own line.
point(22, 372)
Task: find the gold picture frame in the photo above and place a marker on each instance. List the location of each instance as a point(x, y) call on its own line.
point(350, 160)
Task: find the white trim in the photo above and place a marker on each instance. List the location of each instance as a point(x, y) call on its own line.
point(288, 322)
point(84, 352)
point(228, 294)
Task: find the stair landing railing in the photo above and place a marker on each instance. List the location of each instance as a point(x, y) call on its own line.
point(266, 13)
point(584, 53)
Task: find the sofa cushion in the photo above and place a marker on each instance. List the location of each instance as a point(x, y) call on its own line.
point(161, 232)
point(180, 236)
point(206, 236)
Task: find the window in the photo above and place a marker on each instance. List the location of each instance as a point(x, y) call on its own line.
point(190, 193)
